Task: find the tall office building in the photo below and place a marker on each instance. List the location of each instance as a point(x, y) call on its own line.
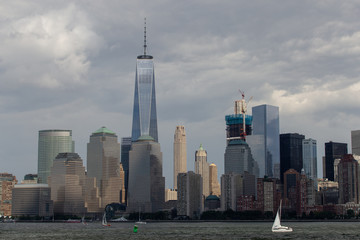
point(103, 164)
point(51, 143)
point(67, 181)
point(355, 142)
point(292, 188)
point(214, 181)
point(7, 183)
point(238, 158)
point(348, 180)
point(266, 131)
point(146, 182)
point(310, 159)
point(189, 198)
point(144, 112)
point(202, 168)
point(333, 150)
point(179, 152)
point(291, 153)
point(125, 149)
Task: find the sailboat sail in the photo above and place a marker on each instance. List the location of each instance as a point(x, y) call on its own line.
point(277, 224)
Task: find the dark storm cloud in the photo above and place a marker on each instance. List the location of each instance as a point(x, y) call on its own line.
point(72, 65)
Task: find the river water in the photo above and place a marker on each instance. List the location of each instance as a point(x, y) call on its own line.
point(179, 230)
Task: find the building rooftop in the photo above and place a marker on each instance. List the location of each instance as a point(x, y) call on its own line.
point(103, 130)
point(145, 138)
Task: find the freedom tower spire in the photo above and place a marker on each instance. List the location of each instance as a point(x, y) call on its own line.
point(144, 111)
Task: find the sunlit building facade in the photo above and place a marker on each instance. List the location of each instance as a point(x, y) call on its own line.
point(202, 168)
point(179, 152)
point(7, 183)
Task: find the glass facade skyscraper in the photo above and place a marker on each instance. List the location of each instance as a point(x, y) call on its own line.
point(51, 143)
point(266, 124)
point(310, 159)
point(144, 112)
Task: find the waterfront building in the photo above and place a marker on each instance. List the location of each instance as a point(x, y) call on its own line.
point(144, 112)
point(146, 182)
point(348, 180)
point(67, 181)
point(103, 164)
point(268, 197)
point(292, 189)
point(310, 159)
point(51, 143)
point(333, 150)
point(202, 168)
point(231, 189)
point(7, 182)
point(355, 142)
point(190, 199)
point(179, 152)
point(266, 132)
point(291, 153)
point(125, 149)
point(32, 200)
point(214, 181)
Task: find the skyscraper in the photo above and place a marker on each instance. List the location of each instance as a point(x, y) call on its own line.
point(310, 159)
point(125, 149)
point(103, 163)
point(146, 182)
point(333, 150)
point(238, 158)
point(266, 124)
point(202, 168)
point(179, 152)
point(214, 181)
point(348, 180)
point(144, 112)
point(190, 200)
point(51, 143)
point(291, 153)
point(355, 142)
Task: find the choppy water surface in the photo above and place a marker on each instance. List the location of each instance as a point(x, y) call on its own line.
point(179, 230)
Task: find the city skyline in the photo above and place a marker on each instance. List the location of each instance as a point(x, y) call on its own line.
point(86, 81)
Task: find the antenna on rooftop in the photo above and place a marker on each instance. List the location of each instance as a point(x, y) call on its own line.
point(145, 37)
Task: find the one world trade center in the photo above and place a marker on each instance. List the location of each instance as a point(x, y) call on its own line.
point(144, 112)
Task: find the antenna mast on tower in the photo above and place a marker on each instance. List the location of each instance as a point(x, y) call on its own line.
point(145, 37)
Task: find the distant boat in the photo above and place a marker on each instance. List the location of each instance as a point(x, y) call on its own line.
point(140, 222)
point(277, 225)
point(73, 220)
point(104, 222)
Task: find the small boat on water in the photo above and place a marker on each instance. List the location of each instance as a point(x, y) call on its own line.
point(104, 221)
point(140, 222)
point(277, 224)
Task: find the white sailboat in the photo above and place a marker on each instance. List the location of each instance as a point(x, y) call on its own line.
point(277, 225)
point(140, 222)
point(104, 222)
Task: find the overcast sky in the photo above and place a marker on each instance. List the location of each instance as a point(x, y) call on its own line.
point(71, 65)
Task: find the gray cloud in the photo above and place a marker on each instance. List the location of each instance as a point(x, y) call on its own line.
point(72, 65)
